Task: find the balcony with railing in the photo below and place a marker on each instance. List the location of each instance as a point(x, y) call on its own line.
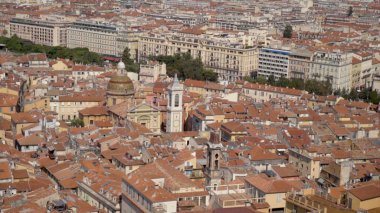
point(314, 201)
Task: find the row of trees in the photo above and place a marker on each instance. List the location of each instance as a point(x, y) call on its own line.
point(366, 94)
point(319, 88)
point(186, 67)
point(78, 55)
point(311, 85)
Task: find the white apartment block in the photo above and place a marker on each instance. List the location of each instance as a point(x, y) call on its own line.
point(101, 38)
point(45, 32)
point(332, 66)
point(231, 61)
point(273, 62)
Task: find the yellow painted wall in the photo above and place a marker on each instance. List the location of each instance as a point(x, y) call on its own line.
point(87, 119)
point(276, 200)
point(8, 91)
point(367, 204)
point(38, 104)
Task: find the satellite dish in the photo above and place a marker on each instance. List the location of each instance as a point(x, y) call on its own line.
point(57, 123)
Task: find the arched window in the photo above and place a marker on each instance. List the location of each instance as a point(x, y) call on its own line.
point(176, 101)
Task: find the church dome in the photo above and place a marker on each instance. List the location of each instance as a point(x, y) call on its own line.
point(120, 85)
point(121, 65)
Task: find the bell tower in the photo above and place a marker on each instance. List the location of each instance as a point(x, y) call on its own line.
point(214, 156)
point(175, 109)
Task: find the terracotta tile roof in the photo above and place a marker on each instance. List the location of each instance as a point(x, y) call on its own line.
point(233, 126)
point(7, 100)
point(269, 88)
point(173, 181)
point(5, 124)
point(5, 171)
point(366, 192)
point(96, 110)
point(20, 174)
point(285, 172)
point(272, 186)
point(86, 96)
point(24, 117)
point(31, 140)
point(27, 207)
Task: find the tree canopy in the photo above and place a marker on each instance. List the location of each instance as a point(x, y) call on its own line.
point(76, 123)
point(366, 94)
point(288, 31)
point(78, 55)
point(311, 85)
point(186, 67)
point(350, 11)
point(319, 88)
point(130, 65)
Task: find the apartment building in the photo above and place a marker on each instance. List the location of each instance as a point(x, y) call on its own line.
point(101, 191)
point(45, 32)
point(362, 70)
point(273, 62)
point(159, 187)
point(232, 61)
point(68, 106)
point(262, 93)
point(308, 165)
point(299, 63)
point(332, 66)
point(102, 38)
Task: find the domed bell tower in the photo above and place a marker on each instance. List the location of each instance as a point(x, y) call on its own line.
point(120, 87)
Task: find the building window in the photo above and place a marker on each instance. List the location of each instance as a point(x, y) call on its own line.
point(176, 101)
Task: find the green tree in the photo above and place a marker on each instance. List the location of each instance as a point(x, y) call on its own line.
point(130, 65)
point(283, 82)
point(271, 80)
point(288, 31)
point(3, 40)
point(76, 123)
point(14, 44)
point(186, 67)
point(5, 32)
point(126, 57)
point(374, 97)
point(350, 11)
point(78, 55)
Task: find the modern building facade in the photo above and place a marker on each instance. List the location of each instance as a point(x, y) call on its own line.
point(273, 62)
